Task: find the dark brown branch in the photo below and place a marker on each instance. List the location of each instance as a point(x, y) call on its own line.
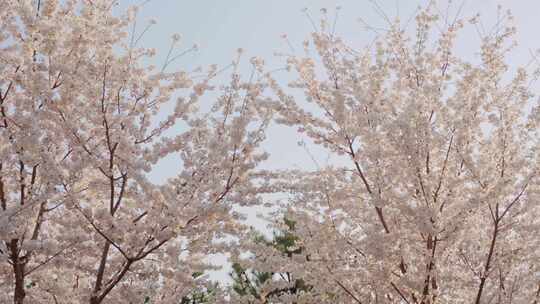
point(445, 163)
point(379, 210)
point(399, 292)
point(109, 240)
point(487, 265)
point(22, 182)
point(348, 292)
point(2, 193)
point(47, 260)
point(138, 218)
point(108, 288)
point(122, 191)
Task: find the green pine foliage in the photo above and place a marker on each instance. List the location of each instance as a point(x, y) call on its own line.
point(249, 281)
point(200, 295)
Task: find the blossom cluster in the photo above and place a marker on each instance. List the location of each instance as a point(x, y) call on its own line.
point(436, 200)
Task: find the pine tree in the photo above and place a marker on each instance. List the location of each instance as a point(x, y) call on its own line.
point(252, 285)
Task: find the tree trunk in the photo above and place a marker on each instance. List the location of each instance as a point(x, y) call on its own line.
point(18, 271)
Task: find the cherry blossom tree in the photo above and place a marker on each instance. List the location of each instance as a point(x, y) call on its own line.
point(82, 123)
point(438, 199)
point(436, 202)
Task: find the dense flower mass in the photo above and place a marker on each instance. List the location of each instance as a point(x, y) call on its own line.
point(439, 200)
point(436, 201)
point(81, 125)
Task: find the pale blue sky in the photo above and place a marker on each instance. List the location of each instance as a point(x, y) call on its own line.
point(222, 26)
